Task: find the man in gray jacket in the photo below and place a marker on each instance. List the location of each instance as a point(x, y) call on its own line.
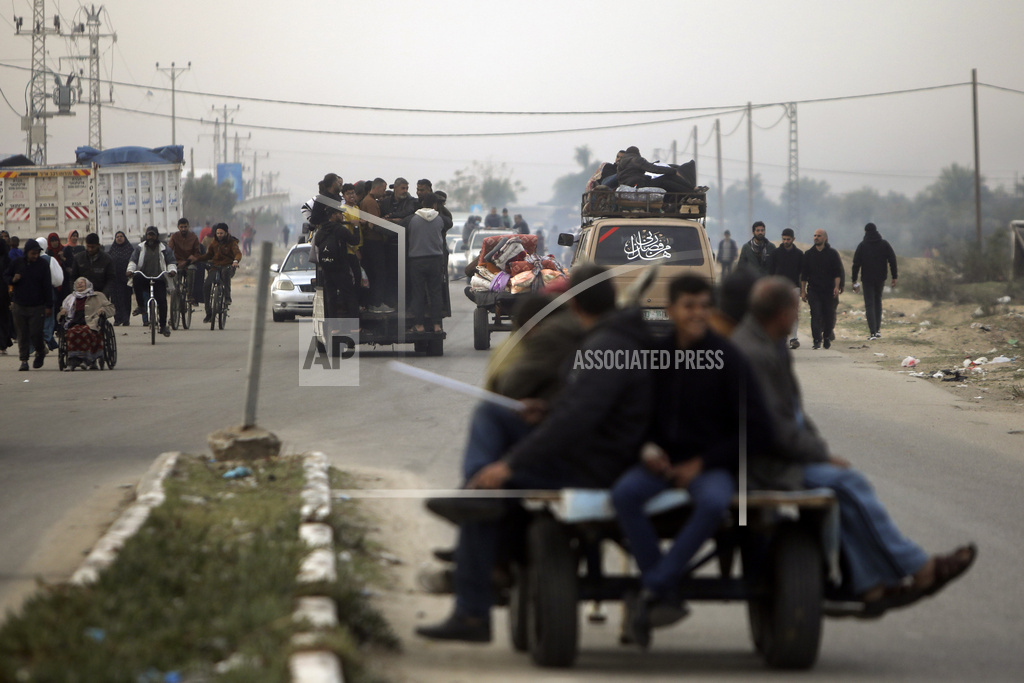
point(882, 568)
point(426, 264)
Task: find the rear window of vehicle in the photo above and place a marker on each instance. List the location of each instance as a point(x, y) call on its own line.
point(677, 245)
point(298, 259)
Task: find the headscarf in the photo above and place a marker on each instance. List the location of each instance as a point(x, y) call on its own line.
point(49, 249)
point(70, 233)
point(69, 300)
point(120, 253)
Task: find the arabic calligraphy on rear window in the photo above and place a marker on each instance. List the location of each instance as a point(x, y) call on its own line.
point(672, 245)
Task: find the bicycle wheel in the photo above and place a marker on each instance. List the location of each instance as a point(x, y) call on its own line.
point(173, 313)
point(185, 307)
point(214, 304)
point(222, 307)
point(152, 321)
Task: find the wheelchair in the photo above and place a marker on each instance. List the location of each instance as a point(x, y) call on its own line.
point(107, 360)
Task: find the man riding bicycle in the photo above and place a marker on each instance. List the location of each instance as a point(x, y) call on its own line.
point(186, 249)
point(150, 258)
point(223, 253)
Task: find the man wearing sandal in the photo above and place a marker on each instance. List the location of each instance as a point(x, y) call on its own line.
point(882, 568)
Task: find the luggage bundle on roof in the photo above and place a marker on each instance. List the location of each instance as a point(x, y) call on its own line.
point(643, 202)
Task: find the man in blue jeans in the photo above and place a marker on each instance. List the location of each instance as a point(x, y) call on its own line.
point(700, 401)
point(882, 568)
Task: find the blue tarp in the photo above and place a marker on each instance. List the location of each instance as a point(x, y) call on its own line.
point(172, 154)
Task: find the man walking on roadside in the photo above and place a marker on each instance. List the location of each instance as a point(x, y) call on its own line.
point(819, 287)
point(787, 262)
point(32, 301)
point(877, 258)
point(758, 252)
point(727, 253)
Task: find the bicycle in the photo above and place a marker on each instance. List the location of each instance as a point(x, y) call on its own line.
point(217, 298)
point(181, 302)
point(151, 307)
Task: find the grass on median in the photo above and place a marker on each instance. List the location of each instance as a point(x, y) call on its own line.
point(210, 578)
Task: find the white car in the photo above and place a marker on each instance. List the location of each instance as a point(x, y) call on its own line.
point(456, 255)
point(291, 294)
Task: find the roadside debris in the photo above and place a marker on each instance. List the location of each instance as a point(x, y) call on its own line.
point(910, 362)
point(238, 473)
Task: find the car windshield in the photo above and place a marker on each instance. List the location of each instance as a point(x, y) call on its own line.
point(298, 259)
point(677, 245)
point(477, 240)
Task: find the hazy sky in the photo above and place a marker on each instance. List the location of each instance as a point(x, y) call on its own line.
point(555, 56)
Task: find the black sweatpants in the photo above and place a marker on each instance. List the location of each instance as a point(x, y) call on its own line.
point(823, 314)
point(873, 304)
point(28, 321)
point(427, 275)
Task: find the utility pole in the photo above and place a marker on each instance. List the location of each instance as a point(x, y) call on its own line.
point(750, 164)
point(92, 23)
point(718, 148)
point(220, 144)
point(696, 168)
point(793, 188)
point(173, 71)
point(674, 152)
point(257, 184)
point(34, 122)
point(977, 157)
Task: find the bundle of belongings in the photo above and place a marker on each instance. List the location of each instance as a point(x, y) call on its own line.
point(509, 263)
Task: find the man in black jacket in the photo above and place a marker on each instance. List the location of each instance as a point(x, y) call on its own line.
point(632, 169)
point(877, 258)
point(94, 265)
point(786, 262)
point(590, 436)
point(29, 275)
point(398, 205)
point(820, 275)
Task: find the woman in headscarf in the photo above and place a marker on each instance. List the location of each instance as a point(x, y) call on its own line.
point(72, 248)
point(81, 313)
point(120, 253)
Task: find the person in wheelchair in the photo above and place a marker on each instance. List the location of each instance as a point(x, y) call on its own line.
point(82, 315)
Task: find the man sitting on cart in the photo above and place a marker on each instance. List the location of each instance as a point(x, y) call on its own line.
point(592, 432)
point(700, 399)
point(881, 567)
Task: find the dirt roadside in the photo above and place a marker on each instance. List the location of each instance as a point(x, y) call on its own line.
point(941, 336)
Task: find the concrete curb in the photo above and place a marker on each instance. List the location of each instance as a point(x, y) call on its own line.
point(148, 494)
point(316, 666)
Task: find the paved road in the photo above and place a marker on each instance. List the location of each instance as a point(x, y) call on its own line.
point(948, 472)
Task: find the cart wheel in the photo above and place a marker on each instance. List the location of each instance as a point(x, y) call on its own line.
point(790, 617)
point(518, 609)
point(481, 335)
point(553, 626)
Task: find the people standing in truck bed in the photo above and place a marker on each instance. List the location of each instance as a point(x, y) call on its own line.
point(632, 169)
point(426, 265)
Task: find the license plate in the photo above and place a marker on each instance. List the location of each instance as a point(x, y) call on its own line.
point(655, 314)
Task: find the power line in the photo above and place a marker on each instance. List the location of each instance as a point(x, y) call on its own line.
point(404, 110)
point(284, 129)
point(1003, 88)
point(9, 103)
